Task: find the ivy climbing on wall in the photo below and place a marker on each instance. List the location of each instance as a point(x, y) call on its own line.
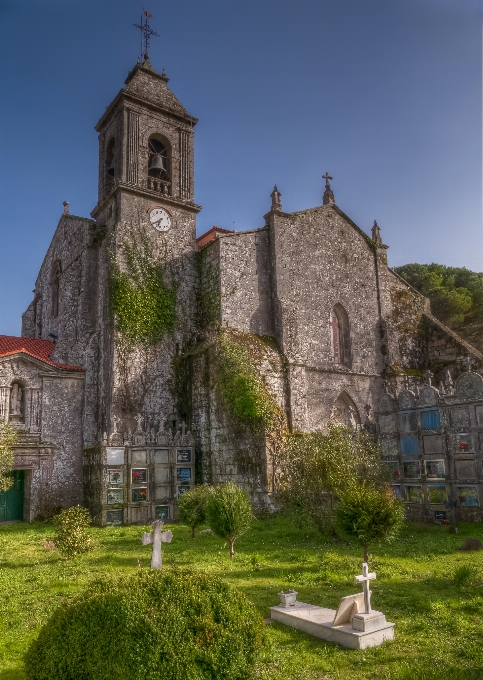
point(143, 305)
point(240, 384)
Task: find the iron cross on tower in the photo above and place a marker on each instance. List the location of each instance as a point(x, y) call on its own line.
point(327, 177)
point(146, 33)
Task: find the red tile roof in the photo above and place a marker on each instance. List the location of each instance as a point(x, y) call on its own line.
point(39, 349)
point(211, 235)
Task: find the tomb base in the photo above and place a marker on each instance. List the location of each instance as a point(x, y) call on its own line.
point(317, 621)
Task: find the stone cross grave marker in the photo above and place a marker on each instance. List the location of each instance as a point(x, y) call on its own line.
point(364, 579)
point(156, 537)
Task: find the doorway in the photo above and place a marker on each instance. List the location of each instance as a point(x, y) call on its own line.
point(11, 501)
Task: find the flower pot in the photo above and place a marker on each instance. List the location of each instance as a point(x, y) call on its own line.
point(288, 599)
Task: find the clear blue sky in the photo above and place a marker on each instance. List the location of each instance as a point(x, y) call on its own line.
point(385, 95)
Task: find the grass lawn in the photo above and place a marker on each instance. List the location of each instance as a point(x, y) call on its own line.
point(431, 590)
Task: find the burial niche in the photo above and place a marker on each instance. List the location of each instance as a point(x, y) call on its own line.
point(344, 412)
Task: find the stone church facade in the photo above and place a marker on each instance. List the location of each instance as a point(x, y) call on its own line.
point(338, 336)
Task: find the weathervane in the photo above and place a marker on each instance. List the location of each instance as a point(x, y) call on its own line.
point(146, 32)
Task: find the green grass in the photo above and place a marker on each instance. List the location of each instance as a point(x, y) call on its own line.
point(431, 590)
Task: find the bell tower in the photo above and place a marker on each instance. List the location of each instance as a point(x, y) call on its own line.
point(146, 199)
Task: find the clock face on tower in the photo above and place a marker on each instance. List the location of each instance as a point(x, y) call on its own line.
point(160, 219)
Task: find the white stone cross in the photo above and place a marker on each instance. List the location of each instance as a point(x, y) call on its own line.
point(364, 579)
point(139, 422)
point(157, 537)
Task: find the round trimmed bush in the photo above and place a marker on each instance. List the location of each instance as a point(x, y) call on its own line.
point(177, 625)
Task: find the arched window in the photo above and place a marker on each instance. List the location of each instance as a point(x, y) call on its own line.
point(339, 335)
point(158, 159)
point(110, 167)
point(344, 412)
point(55, 283)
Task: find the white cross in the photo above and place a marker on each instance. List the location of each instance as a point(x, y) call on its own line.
point(139, 422)
point(156, 538)
point(364, 579)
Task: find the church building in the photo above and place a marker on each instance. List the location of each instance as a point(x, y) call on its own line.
point(111, 385)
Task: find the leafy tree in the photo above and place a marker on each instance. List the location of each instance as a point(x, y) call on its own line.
point(314, 469)
point(192, 507)
point(368, 514)
point(456, 294)
point(71, 537)
point(230, 513)
point(8, 439)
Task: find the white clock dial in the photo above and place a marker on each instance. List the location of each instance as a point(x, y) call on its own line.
point(160, 219)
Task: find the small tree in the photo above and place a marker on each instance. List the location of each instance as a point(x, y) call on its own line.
point(368, 514)
point(193, 506)
point(71, 537)
point(8, 439)
point(230, 513)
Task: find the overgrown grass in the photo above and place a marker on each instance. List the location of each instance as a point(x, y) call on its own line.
point(431, 590)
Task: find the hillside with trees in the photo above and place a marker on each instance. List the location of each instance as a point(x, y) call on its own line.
point(456, 296)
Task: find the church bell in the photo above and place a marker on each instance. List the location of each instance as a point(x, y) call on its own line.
point(157, 163)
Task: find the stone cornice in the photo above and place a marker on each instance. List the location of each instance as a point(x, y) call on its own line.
point(145, 193)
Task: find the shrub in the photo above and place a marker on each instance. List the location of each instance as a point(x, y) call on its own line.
point(71, 537)
point(315, 468)
point(181, 625)
point(472, 544)
point(464, 574)
point(192, 507)
point(230, 513)
point(368, 514)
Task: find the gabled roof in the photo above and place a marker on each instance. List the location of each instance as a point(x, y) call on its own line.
point(211, 235)
point(38, 349)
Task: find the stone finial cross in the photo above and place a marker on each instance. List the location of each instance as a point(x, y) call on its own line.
point(183, 429)
point(427, 377)
point(139, 422)
point(327, 177)
point(466, 363)
point(156, 537)
point(364, 579)
point(66, 205)
point(406, 382)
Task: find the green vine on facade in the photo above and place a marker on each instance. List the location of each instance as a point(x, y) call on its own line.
point(240, 385)
point(8, 439)
point(143, 306)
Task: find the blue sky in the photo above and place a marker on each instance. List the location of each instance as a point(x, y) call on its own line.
point(385, 95)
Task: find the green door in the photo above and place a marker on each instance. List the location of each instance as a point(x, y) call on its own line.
point(11, 501)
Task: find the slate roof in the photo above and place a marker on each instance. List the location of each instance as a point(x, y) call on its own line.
point(38, 349)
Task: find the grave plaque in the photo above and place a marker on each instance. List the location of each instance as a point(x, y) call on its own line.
point(138, 457)
point(161, 456)
point(467, 496)
point(139, 475)
point(182, 490)
point(435, 469)
point(433, 443)
point(437, 494)
point(393, 465)
point(460, 417)
point(114, 455)
point(465, 469)
point(408, 422)
point(162, 512)
point(183, 474)
point(414, 494)
point(387, 424)
point(430, 419)
point(115, 476)
point(409, 446)
point(440, 514)
point(462, 443)
point(396, 489)
point(161, 474)
point(114, 517)
point(138, 495)
point(183, 455)
point(115, 496)
point(412, 470)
